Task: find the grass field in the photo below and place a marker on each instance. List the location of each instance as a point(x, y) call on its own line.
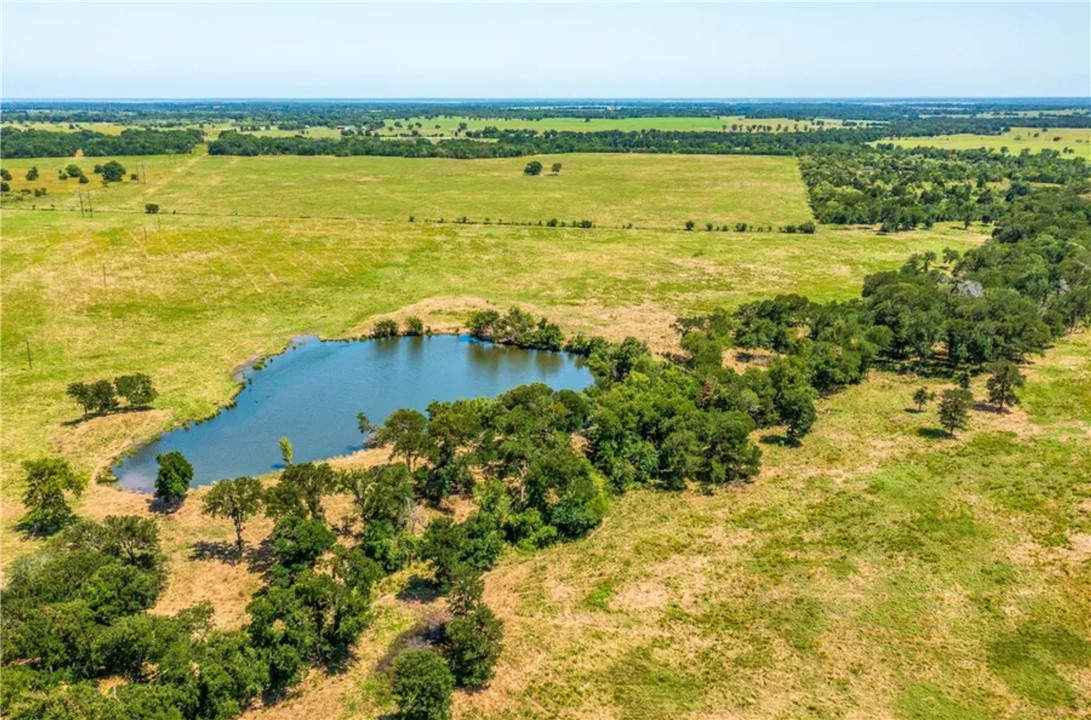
point(660, 191)
point(1016, 140)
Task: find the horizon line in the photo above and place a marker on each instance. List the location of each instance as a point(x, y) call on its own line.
point(571, 98)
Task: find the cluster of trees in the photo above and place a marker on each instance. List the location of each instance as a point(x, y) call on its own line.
point(132, 141)
point(955, 403)
point(102, 396)
point(515, 327)
point(904, 188)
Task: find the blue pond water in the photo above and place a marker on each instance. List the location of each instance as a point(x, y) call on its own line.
point(312, 392)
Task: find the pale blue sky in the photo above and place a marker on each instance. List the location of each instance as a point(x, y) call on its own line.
point(164, 50)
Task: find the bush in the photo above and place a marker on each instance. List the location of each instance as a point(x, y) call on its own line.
point(533, 168)
point(422, 685)
point(151, 208)
point(414, 326)
point(384, 329)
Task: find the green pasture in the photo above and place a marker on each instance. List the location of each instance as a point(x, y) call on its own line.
point(656, 191)
point(1015, 140)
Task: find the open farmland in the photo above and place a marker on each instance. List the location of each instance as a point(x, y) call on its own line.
point(1015, 140)
point(653, 191)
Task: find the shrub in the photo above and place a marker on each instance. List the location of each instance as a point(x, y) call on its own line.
point(533, 168)
point(384, 329)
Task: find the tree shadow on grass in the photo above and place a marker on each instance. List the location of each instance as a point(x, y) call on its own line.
point(989, 408)
point(420, 590)
point(163, 507)
point(424, 635)
point(260, 559)
point(781, 440)
point(120, 411)
point(223, 551)
point(934, 433)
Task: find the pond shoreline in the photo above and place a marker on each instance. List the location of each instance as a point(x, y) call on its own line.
point(307, 398)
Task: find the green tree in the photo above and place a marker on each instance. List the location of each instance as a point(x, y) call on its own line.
point(555, 168)
point(298, 542)
point(471, 644)
point(173, 478)
point(382, 493)
point(954, 409)
point(47, 481)
point(238, 499)
point(32, 174)
point(533, 168)
point(414, 326)
point(300, 491)
point(138, 389)
point(364, 423)
point(285, 449)
point(422, 685)
point(1004, 378)
point(407, 432)
point(98, 397)
point(151, 208)
point(113, 171)
point(922, 397)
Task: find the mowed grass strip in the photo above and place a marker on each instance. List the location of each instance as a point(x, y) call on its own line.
point(656, 191)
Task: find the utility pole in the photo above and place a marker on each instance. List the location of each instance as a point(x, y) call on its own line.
point(104, 273)
point(90, 207)
point(80, 193)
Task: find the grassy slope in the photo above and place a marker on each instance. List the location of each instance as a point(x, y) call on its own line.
point(878, 571)
point(1016, 140)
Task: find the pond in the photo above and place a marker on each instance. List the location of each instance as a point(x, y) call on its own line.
point(312, 392)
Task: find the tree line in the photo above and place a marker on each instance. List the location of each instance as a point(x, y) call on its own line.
point(131, 141)
point(298, 114)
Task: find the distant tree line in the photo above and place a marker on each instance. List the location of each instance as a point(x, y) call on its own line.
point(291, 115)
point(48, 143)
